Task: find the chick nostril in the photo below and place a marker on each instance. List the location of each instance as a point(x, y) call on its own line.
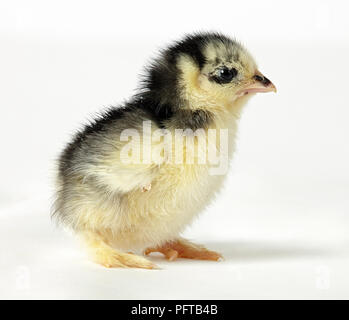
point(258, 78)
point(265, 81)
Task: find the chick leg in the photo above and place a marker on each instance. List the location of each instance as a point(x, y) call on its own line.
point(184, 249)
point(102, 253)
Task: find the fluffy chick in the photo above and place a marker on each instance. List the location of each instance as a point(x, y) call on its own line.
point(115, 205)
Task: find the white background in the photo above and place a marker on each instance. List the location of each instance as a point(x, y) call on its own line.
point(282, 220)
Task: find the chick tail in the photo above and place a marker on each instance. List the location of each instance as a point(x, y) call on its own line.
point(102, 253)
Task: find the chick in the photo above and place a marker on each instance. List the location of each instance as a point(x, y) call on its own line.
point(122, 186)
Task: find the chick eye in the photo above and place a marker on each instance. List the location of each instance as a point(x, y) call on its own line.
point(225, 75)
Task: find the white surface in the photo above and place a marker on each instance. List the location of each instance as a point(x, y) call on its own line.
point(282, 220)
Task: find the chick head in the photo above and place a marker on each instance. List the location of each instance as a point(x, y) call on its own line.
point(203, 70)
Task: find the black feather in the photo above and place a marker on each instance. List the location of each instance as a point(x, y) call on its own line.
point(159, 96)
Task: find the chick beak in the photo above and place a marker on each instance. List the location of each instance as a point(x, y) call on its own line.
point(259, 83)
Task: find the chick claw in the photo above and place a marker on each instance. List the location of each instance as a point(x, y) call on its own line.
point(184, 249)
point(146, 188)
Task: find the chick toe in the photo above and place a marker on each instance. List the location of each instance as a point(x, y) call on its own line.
point(185, 249)
point(115, 259)
point(104, 254)
point(169, 253)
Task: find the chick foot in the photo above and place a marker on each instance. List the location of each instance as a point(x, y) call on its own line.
point(184, 249)
point(102, 253)
point(115, 259)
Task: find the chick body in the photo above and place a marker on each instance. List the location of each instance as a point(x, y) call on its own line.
point(102, 197)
